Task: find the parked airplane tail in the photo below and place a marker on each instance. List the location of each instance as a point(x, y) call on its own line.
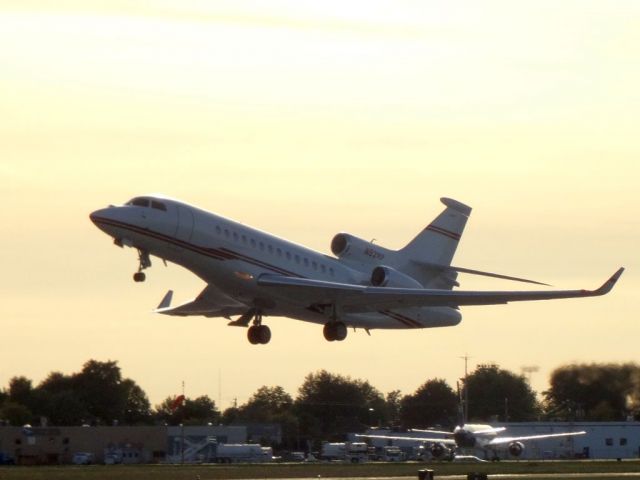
point(437, 243)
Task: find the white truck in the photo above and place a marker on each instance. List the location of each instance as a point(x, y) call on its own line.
point(353, 452)
point(392, 454)
point(243, 453)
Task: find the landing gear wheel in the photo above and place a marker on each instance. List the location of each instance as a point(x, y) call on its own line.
point(335, 331)
point(259, 334)
point(139, 277)
point(328, 332)
point(264, 334)
point(340, 331)
point(252, 335)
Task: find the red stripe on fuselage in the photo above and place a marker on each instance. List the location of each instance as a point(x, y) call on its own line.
point(407, 321)
point(217, 254)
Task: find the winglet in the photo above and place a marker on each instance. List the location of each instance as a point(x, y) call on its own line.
point(608, 285)
point(166, 301)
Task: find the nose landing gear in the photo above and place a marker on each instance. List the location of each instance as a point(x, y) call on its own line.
point(143, 262)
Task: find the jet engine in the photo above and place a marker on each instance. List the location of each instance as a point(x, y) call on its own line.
point(439, 450)
point(516, 448)
point(383, 276)
point(354, 249)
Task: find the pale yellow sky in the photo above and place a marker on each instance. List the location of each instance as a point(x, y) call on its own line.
point(305, 119)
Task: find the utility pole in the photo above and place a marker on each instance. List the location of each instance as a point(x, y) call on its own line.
point(465, 411)
point(182, 425)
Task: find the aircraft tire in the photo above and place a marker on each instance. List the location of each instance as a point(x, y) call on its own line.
point(340, 330)
point(329, 331)
point(139, 277)
point(253, 335)
point(263, 334)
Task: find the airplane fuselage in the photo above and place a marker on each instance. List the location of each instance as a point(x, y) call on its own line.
point(232, 256)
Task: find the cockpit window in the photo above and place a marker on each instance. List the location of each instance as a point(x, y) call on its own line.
point(145, 202)
point(158, 205)
point(140, 202)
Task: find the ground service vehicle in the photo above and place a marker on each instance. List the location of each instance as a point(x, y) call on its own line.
point(243, 453)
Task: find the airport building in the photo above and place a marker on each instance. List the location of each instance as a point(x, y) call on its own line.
point(603, 440)
point(145, 444)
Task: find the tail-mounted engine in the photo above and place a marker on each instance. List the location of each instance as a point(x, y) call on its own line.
point(516, 448)
point(354, 249)
point(383, 276)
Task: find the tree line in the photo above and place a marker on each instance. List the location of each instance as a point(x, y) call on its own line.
point(328, 405)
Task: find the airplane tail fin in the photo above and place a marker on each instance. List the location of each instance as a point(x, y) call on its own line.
point(437, 243)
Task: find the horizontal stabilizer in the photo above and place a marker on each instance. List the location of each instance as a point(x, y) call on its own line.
point(210, 303)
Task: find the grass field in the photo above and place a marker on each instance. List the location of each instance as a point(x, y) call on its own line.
point(552, 470)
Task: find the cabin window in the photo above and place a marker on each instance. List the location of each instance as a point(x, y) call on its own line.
point(270, 248)
point(218, 229)
point(158, 205)
point(253, 243)
point(226, 233)
point(279, 252)
point(323, 268)
point(623, 442)
point(608, 442)
point(288, 255)
point(235, 236)
point(244, 239)
point(314, 265)
point(297, 258)
point(262, 246)
point(306, 262)
point(331, 271)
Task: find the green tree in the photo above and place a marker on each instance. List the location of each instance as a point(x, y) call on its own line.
point(96, 394)
point(495, 393)
point(15, 414)
point(393, 404)
point(266, 405)
point(21, 391)
point(596, 392)
point(328, 405)
point(197, 411)
point(434, 403)
point(137, 409)
point(271, 405)
point(99, 386)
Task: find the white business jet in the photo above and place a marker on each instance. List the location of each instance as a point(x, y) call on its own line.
point(472, 436)
point(253, 274)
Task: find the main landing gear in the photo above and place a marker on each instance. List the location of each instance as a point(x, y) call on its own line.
point(258, 333)
point(143, 262)
point(334, 331)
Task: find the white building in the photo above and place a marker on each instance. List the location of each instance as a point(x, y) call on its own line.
point(603, 439)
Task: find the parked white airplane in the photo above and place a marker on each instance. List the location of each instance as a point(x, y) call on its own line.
point(253, 274)
point(468, 436)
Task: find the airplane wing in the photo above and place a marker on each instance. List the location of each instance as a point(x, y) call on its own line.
point(209, 303)
point(359, 298)
point(503, 440)
point(446, 441)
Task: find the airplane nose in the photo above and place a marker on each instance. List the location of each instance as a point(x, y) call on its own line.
point(102, 216)
point(97, 215)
